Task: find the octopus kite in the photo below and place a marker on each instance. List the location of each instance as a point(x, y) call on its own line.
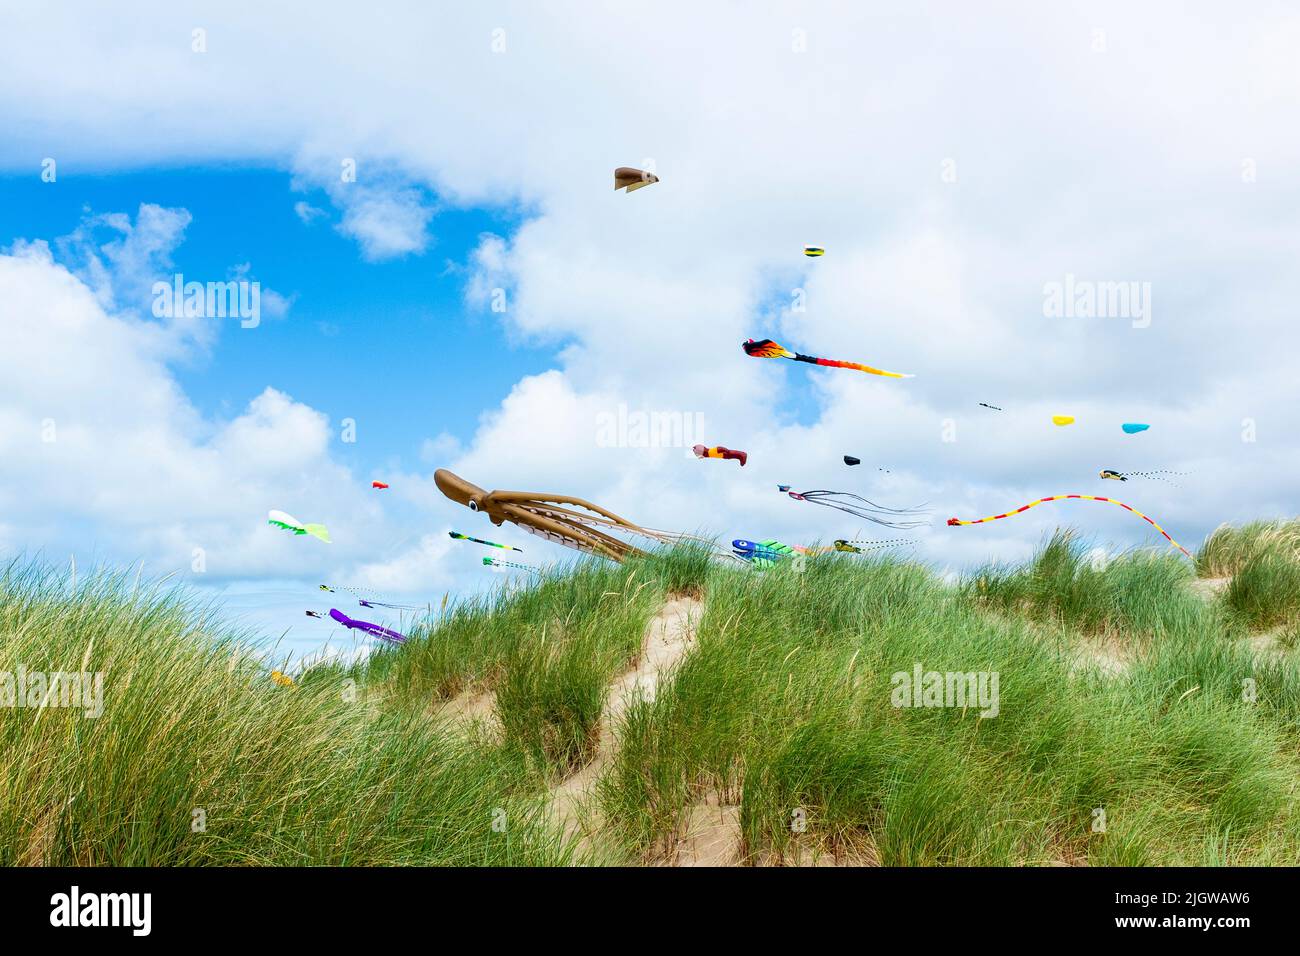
point(766, 348)
point(957, 521)
point(717, 451)
point(566, 520)
point(846, 502)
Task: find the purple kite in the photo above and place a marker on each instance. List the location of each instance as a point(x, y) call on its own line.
point(381, 632)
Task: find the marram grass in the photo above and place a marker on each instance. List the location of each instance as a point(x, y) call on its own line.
point(1136, 721)
point(199, 758)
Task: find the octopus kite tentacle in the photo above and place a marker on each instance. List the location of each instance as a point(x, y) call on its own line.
point(957, 521)
point(582, 525)
point(868, 510)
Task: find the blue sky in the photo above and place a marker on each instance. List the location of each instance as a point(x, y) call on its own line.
point(348, 349)
point(955, 163)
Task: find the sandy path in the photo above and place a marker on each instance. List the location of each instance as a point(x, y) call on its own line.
point(1209, 587)
point(470, 704)
point(667, 638)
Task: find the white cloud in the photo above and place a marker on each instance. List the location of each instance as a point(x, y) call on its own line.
point(1120, 165)
point(307, 212)
point(388, 223)
point(99, 436)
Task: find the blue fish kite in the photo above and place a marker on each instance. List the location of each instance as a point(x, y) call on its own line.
point(761, 554)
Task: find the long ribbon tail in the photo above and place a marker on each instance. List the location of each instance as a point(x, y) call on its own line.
point(834, 363)
point(958, 521)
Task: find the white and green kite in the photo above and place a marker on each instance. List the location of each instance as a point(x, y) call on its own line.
point(289, 523)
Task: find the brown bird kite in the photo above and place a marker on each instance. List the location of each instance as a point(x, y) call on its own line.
point(633, 179)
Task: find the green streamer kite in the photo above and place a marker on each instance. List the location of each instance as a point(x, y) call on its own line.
point(491, 544)
point(497, 563)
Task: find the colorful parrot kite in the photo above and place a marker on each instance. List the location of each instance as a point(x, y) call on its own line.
point(631, 179)
point(378, 484)
point(844, 501)
point(491, 544)
point(957, 521)
point(717, 451)
point(497, 563)
point(366, 627)
point(766, 348)
point(1132, 428)
point(289, 523)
